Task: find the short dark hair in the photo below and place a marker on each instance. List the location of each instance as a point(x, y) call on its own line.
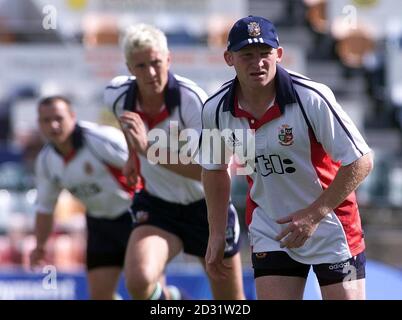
point(49, 100)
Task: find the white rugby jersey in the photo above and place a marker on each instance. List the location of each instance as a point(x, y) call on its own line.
point(92, 173)
point(300, 143)
point(183, 101)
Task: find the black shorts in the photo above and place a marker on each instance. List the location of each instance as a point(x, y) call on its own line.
point(279, 263)
point(107, 240)
point(188, 222)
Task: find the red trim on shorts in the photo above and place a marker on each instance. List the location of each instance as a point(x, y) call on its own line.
point(347, 212)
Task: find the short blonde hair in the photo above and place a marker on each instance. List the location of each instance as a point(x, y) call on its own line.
point(143, 36)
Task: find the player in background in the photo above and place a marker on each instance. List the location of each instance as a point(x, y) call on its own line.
point(87, 160)
point(170, 212)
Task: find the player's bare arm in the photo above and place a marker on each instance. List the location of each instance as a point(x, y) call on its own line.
point(135, 131)
point(43, 229)
point(303, 223)
point(130, 170)
point(217, 191)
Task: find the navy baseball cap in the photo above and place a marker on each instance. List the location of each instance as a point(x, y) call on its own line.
point(252, 29)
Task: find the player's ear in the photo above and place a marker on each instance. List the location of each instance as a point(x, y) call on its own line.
point(74, 116)
point(130, 68)
point(169, 58)
point(279, 53)
point(228, 58)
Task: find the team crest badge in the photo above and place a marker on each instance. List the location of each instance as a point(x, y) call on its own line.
point(88, 168)
point(253, 29)
point(285, 135)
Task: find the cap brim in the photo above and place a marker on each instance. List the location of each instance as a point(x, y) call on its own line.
point(244, 43)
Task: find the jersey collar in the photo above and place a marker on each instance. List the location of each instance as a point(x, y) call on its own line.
point(285, 92)
point(77, 138)
point(272, 113)
point(172, 95)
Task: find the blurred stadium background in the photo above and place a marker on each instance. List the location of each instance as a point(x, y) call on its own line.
point(71, 47)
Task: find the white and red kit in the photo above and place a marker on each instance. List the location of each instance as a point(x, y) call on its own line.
point(300, 143)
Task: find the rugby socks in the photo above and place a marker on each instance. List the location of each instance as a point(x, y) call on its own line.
point(174, 293)
point(117, 296)
point(158, 293)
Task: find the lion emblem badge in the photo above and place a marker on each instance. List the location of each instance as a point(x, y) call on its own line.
point(285, 135)
point(253, 29)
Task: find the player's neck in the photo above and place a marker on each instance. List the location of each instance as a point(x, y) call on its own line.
point(152, 105)
point(65, 148)
point(257, 101)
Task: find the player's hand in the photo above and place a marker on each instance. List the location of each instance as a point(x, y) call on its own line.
point(135, 130)
point(301, 226)
point(214, 262)
point(37, 257)
point(130, 172)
